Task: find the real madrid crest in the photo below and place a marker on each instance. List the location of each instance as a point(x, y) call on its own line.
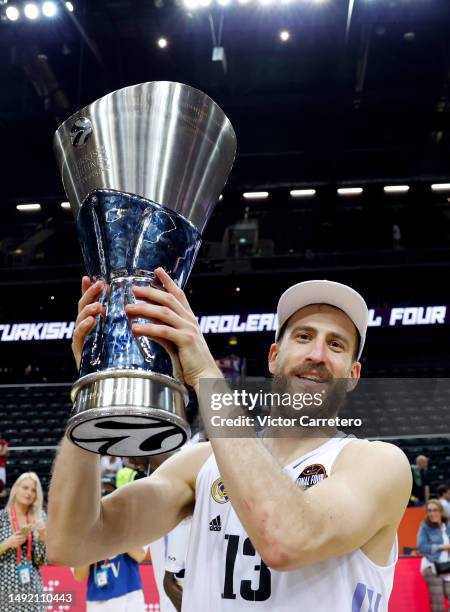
point(218, 492)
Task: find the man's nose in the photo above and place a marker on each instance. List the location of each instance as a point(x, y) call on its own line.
point(317, 351)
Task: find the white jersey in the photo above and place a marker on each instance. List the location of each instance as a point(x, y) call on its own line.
point(177, 545)
point(158, 553)
point(225, 574)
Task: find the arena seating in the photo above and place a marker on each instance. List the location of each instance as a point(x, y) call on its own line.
point(33, 417)
point(32, 420)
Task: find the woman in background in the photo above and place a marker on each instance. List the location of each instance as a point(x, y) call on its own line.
point(22, 547)
point(433, 542)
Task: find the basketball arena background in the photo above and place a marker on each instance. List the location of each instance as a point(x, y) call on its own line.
point(341, 110)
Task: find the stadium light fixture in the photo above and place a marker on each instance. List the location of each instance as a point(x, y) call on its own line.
point(440, 187)
point(284, 36)
point(223, 2)
point(350, 190)
point(162, 43)
point(49, 9)
point(28, 207)
point(256, 195)
point(302, 193)
point(31, 10)
point(396, 188)
point(65, 205)
point(69, 7)
point(12, 13)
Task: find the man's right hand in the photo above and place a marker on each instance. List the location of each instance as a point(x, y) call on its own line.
point(88, 309)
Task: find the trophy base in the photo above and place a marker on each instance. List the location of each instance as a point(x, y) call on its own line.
point(128, 413)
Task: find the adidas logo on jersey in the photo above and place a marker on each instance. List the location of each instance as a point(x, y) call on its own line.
point(215, 524)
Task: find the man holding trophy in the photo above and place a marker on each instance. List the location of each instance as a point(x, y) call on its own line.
point(261, 539)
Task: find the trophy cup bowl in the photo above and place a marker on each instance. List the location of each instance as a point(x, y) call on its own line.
point(143, 168)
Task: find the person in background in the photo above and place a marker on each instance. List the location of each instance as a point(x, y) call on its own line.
point(177, 540)
point(433, 541)
point(443, 491)
point(22, 547)
point(115, 584)
point(176, 553)
point(158, 550)
point(110, 466)
point(3, 456)
point(108, 485)
point(132, 470)
point(230, 366)
point(420, 493)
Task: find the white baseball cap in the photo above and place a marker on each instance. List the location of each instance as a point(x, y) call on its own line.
point(324, 292)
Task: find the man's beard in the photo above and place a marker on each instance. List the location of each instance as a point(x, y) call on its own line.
point(333, 393)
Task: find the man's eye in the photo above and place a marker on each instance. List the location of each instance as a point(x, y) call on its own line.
point(336, 344)
point(303, 336)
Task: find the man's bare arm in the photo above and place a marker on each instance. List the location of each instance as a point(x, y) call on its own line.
point(83, 527)
point(81, 572)
point(291, 528)
point(138, 554)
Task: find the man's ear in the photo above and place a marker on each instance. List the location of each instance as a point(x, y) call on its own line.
point(353, 378)
point(355, 371)
point(273, 353)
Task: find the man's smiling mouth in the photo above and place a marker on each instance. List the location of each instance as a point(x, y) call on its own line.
point(314, 379)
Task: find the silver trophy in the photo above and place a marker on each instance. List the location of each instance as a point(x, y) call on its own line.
point(143, 168)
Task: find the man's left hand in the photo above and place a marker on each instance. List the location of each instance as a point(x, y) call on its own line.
point(173, 325)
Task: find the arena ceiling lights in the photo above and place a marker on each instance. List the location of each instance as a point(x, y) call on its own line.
point(349, 191)
point(396, 189)
point(202, 4)
point(28, 207)
point(255, 195)
point(440, 186)
point(33, 11)
point(302, 193)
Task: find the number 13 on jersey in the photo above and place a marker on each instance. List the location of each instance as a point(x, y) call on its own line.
point(262, 593)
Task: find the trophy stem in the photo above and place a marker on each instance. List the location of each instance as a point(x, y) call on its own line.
point(128, 413)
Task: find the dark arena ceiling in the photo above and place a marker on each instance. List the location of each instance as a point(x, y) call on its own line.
point(359, 91)
point(358, 96)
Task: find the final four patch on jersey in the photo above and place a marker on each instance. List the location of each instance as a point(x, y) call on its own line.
point(218, 492)
point(311, 475)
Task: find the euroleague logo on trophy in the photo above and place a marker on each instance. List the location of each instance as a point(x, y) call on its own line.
point(81, 132)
